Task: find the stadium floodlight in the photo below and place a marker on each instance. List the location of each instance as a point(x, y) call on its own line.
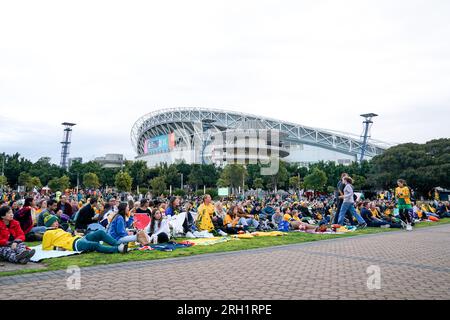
point(66, 143)
point(366, 134)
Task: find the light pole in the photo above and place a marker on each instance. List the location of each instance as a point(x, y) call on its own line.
point(181, 181)
point(366, 135)
point(3, 164)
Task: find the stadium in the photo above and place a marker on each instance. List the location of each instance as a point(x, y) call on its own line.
point(204, 135)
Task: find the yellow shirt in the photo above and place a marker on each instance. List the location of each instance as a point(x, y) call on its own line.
point(58, 238)
point(375, 213)
point(403, 194)
point(287, 217)
point(228, 220)
point(204, 217)
point(209, 209)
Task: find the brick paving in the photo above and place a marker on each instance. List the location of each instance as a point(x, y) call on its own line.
point(414, 265)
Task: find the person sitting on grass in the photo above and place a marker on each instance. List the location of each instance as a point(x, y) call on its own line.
point(174, 206)
point(373, 222)
point(58, 239)
point(25, 217)
point(247, 219)
point(277, 217)
point(117, 228)
point(12, 247)
point(87, 215)
point(158, 228)
point(205, 213)
point(443, 210)
point(50, 210)
point(217, 219)
point(287, 214)
point(231, 221)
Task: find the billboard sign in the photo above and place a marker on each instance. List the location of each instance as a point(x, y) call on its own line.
point(223, 192)
point(159, 144)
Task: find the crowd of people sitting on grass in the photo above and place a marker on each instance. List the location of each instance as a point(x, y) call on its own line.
point(107, 223)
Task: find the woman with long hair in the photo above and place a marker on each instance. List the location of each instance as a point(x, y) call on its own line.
point(117, 228)
point(231, 221)
point(158, 229)
point(173, 208)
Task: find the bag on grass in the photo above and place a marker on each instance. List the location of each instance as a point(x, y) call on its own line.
point(143, 238)
point(283, 226)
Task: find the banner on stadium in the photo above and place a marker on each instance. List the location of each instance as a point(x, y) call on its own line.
point(158, 144)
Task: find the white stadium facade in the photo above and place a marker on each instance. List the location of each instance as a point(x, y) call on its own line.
point(204, 135)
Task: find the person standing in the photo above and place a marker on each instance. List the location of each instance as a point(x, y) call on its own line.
point(348, 203)
point(403, 196)
point(338, 194)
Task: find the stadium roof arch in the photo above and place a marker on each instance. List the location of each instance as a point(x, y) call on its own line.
point(164, 121)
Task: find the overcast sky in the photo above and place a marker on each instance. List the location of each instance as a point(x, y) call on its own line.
point(103, 64)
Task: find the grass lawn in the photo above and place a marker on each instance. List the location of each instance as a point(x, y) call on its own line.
point(91, 259)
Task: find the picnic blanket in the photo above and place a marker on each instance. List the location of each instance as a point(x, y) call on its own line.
point(268, 234)
point(206, 241)
point(169, 246)
point(315, 232)
point(243, 236)
point(48, 254)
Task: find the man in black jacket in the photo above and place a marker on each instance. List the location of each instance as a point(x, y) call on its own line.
point(87, 215)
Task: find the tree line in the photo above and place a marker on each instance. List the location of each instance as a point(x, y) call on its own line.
point(424, 166)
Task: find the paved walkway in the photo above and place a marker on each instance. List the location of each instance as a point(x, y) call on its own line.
point(413, 265)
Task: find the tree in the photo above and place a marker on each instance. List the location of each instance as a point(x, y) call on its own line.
point(294, 182)
point(24, 179)
point(233, 175)
point(258, 183)
point(195, 178)
point(424, 166)
point(138, 171)
point(358, 181)
point(64, 182)
point(280, 178)
point(59, 184)
point(158, 185)
point(44, 170)
point(123, 181)
point(34, 182)
point(170, 174)
point(315, 180)
point(14, 165)
point(90, 180)
point(209, 174)
point(3, 181)
point(221, 183)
